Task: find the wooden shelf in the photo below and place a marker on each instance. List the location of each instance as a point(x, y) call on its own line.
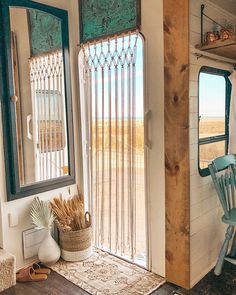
point(226, 48)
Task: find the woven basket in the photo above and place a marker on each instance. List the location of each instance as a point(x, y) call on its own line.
point(76, 245)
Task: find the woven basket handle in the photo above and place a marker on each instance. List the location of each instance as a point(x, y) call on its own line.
point(88, 219)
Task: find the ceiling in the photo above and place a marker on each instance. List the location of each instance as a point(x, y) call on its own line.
point(229, 5)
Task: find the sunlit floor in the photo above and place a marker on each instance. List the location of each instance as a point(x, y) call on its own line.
point(114, 230)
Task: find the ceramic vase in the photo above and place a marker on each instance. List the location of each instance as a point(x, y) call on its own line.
point(49, 251)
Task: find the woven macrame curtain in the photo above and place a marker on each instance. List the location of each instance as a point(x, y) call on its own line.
point(48, 102)
point(115, 135)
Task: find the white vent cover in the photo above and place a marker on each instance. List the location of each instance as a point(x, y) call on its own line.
point(32, 239)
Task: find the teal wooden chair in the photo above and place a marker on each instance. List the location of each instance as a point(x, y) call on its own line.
point(223, 173)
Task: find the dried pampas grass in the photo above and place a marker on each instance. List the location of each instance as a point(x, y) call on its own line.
point(70, 213)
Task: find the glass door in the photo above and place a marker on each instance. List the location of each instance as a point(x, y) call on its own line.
point(112, 100)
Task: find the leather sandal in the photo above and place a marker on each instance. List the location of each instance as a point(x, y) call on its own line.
point(39, 269)
point(28, 275)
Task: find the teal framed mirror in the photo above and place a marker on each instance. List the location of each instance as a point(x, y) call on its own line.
point(35, 98)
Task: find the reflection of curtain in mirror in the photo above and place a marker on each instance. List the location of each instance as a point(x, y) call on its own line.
point(47, 87)
point(16, 85)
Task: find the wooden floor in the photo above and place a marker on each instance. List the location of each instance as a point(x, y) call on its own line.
point(54, 285)
point(57, 285)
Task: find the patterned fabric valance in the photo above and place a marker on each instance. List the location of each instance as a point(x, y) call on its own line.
point(45, 32)
point(107, 17)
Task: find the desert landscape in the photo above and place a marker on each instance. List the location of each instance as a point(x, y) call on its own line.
point(210, 126)
point(119, 184)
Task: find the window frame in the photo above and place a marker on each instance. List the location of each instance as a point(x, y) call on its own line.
point(223, 137)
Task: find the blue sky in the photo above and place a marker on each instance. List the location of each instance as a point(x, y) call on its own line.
point(211, 95)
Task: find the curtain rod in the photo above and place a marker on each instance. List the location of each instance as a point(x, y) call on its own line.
point(199, 55)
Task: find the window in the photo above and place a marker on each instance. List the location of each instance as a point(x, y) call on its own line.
point(214, 100)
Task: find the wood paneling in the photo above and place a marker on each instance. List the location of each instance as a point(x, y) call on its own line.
point(177, 170)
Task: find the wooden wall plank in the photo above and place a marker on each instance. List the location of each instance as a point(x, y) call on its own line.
point(177, 170)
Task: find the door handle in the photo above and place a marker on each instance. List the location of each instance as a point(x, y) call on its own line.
point(147, 141)
point(29, 134)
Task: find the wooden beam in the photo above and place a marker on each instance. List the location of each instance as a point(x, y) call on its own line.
point(177, 171)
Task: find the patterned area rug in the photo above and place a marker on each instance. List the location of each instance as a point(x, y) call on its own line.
point(104, 274)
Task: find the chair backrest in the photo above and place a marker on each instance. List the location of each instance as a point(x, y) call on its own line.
point(225, 182)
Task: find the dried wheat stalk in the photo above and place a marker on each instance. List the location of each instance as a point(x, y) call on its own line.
point(70, 213)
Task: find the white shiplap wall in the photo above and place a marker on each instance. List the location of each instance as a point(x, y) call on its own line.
point(206, 228)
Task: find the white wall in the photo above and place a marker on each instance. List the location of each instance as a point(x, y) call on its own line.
point(206, 228)
point(11, 238)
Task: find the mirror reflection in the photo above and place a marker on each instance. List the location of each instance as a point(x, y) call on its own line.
point(39, 95)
